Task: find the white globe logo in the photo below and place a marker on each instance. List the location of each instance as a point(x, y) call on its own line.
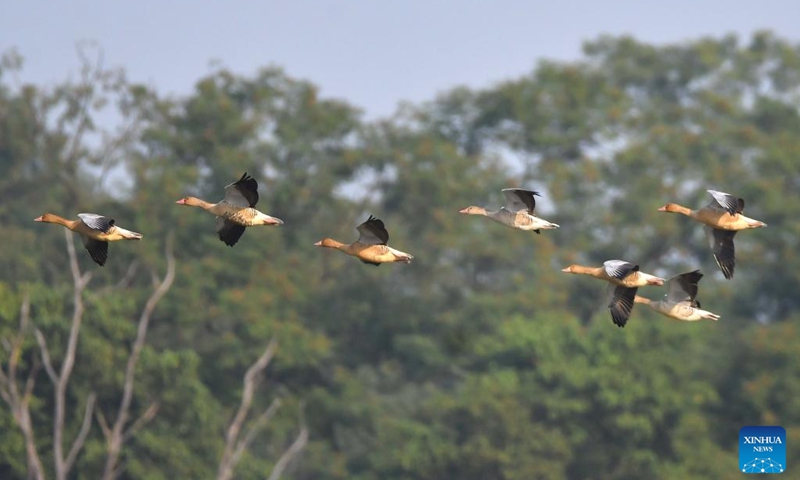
point(762, 465)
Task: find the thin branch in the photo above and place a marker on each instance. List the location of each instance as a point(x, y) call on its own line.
point(296, 447)
point(101, 419)
point(129, 273)
point(35, 469)
point(79, 280)
point(91, 77)
point(20, 404)
point(8, 382)
point(30, 382)
point(24, 314)
point(5, 394)
point(125, 281)
point(48, 365)
point(117, 435)
point(84, 431)
point(128, 132)
point(232, 441)
point(140, 422)
point(255, 427)
point(16, 346)
point(249, 389)
point(62, 379)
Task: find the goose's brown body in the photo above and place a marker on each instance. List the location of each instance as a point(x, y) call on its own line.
point(374, 254)
point(95, 231)
point(722, 219)
point(633, 279)
point(246, 217)
point(236, 211)
point(680, 302)
point(519, 211)
point(371, 245)
point(715, 217)
point(626, 278)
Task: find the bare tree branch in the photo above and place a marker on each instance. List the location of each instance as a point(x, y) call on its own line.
point(255, 427)
point(20, 404)
point(82, 434)
point(4, 388)
point(296, 447)
point(140, 422)
point(80, 281)
point(16, 346)
point(126, 279)
point(250, 380)
point(232, 441)
point(128, 132)
point(154, 279)
point(90, 79)
point(117, 434)
point(35, 469)
point(31, 381)
point(48, 365)
point(73, 121)
point(123, 282)
point(101, 419)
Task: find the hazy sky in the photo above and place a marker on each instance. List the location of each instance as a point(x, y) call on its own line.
point(374, 53)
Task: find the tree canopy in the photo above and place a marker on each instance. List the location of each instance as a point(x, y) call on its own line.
point(480, 360)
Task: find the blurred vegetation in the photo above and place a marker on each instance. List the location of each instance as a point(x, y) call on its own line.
point(478, 361)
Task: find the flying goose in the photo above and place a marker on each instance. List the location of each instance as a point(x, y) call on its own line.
point(371, 246)
point(680, 301)
point(236, 211)
point(626, 279)
point(722, 218)
point(95, 231)
point(518, 211)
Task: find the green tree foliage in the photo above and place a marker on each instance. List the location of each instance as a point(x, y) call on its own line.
point(480, 359)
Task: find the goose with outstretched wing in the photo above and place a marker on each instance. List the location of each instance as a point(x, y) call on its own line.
point(371, 246)
point(723, 217)
point(236, 211)
point(625, 279)
point(518, 212)
point(680, 301)
point(95, 231)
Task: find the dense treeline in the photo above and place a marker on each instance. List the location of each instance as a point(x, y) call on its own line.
point(480, 360)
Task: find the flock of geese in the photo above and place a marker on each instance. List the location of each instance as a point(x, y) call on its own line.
point(722, 219)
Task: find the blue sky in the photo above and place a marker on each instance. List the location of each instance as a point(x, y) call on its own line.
point(374, 53)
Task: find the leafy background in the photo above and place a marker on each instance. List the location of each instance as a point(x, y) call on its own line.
point(480, 360)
